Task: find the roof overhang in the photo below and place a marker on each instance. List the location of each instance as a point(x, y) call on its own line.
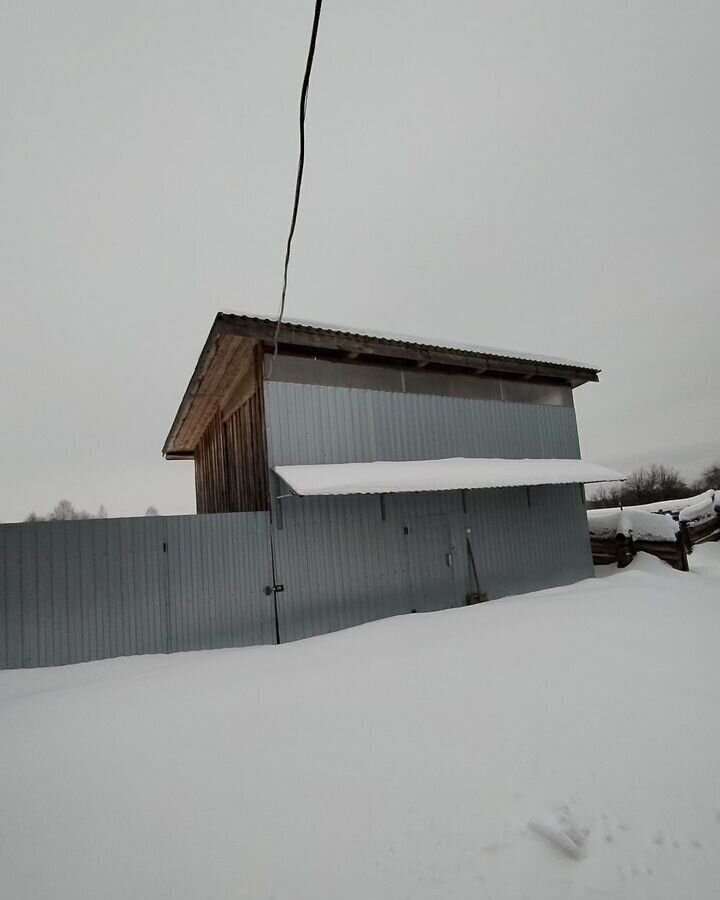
point(233, 338)
point(439, 475)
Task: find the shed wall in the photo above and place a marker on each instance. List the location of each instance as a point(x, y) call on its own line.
point(319, 424)
point(231, 461)
point(341, 563)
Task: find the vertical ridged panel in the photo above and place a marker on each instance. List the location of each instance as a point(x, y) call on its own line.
point(316, 424)
point(74, 591)
point(343, 565)
point(521, 546)
point(219, 566)
point(92, 589)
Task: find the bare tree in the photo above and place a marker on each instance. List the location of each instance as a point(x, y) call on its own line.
point(709, 480)
point(651, 483)
point(65, 511)
point(645, 485)
point(606, 496)
point(152, 511)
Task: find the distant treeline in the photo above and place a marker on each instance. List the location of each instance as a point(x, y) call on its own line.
point(65, 511)
point(649, 484)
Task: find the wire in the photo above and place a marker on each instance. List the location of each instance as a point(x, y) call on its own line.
point(301, 166)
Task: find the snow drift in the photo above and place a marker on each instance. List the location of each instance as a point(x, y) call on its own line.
point(563, 744)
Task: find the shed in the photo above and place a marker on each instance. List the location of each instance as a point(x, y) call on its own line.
point(395, 474)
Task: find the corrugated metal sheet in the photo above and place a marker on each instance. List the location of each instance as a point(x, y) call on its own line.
point(325, 328)
point(74, 591)
point(317, 424)
point(341, 563)
point(218, 567)
point(526, 539)
point(93, 589)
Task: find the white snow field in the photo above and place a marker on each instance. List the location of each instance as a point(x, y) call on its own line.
point(563, 744)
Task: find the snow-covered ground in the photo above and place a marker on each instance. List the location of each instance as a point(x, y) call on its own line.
point(563, 744)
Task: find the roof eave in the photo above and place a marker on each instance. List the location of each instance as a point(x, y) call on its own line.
point(344, 345)
point(169, 452)
point(366, 348)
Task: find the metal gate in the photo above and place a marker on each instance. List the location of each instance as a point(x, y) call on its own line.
point(98, 588)
point(431, 562)
point(341, 562)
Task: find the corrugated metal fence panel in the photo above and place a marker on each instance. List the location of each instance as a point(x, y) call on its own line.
point(75, 591)
point(316, 424)
point(99, 588)
point(526, 539)
point(219, 566)
point(81, 590)
point(342, 564)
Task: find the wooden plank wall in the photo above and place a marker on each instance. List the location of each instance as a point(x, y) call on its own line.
point(231, 462)
point(246, 457)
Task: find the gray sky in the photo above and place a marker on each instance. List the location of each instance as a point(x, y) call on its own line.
point(538, 175)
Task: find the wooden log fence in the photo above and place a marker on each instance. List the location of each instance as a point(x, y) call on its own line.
point(621, 550)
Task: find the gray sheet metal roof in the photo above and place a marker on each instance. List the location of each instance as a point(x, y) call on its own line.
point(391, 338)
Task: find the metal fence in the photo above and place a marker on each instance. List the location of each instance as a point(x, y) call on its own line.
point(98, 588)
point(346, 560)
point(94, 589)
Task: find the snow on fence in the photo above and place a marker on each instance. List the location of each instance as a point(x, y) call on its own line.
point(700, 520)
point(667, 529)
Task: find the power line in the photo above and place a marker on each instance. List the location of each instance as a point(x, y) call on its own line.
point(301, 166)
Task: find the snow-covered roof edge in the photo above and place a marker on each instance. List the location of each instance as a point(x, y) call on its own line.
point(417, 341)
point(460, 473)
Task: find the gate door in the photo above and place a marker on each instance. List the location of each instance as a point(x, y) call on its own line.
point(432, 561)
point(218, 569)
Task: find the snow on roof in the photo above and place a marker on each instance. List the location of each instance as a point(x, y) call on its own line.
point(422, 341)
point(439, 475)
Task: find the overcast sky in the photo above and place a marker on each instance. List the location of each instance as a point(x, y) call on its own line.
point(535, 175)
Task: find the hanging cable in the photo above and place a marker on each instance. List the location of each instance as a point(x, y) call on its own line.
point(301, 166)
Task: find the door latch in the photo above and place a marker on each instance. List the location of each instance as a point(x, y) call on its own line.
point(274, 589)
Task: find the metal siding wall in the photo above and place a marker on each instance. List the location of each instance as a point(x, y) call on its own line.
point(521, 548)
point(342, 565)
point(93, 589)
point(315, 424)
point(319, 424)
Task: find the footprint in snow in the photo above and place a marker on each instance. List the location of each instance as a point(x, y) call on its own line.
point(562, 831)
